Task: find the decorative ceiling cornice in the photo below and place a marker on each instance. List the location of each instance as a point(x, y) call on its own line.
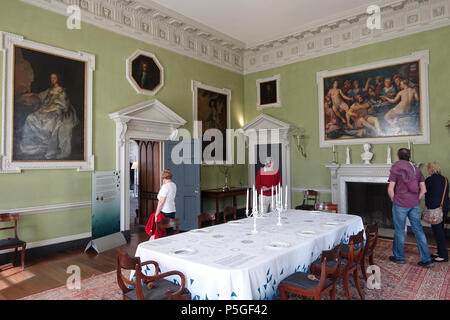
point(158, 26)
point(399, 18)
point(164, 28)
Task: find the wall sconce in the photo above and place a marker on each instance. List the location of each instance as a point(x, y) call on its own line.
point(299, 137)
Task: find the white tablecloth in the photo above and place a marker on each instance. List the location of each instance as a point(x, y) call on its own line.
point(227, 261)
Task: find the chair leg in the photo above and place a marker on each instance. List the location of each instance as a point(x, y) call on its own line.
point(358, 286)
point(363, 268)
point(345, 281)
point(15, 256)
point(23, 256)
point(371, 260)
point(333, 293)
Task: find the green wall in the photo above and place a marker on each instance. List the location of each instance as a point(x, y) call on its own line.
point(111, 93)
point(299, 99)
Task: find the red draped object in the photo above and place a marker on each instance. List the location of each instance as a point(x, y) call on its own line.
point(151, 229)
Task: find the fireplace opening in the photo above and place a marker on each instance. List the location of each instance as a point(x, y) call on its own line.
point(370, 201)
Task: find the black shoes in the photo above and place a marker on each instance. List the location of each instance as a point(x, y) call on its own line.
point(428, 264)
point(393, 259)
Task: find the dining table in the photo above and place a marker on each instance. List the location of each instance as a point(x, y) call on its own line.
point(231, 261)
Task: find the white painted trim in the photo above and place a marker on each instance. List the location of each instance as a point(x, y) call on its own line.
point(324, 191)
point(7, 165)
point(423, 57)
point(276, 104)
point(198, 133)
point(49, 208)
point(139, 128)
point(129, 72)
point(43, 243)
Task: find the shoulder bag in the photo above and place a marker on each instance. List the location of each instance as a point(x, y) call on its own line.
point(435, 216)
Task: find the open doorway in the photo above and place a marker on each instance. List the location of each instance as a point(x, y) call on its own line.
point(134, 182)
point(143, 198)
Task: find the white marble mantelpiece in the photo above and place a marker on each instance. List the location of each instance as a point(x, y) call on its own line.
point(343, 173)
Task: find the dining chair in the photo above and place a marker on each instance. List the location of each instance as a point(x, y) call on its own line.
point(307, 285)
point(309, 200)
point(333, 270)
point(326, 206)
point(229, 212)
point(168, 223)
point(371, 231)
point(13, 243)
point(352, 254)
point(148, 287)
point(206, 219)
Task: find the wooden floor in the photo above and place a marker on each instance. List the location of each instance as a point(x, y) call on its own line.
point(50, 271)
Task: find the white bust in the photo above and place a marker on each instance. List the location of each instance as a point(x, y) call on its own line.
point(367, 155)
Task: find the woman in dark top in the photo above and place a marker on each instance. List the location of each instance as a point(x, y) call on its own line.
point(435, 184)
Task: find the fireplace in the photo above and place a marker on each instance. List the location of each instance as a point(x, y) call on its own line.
point(370, 201)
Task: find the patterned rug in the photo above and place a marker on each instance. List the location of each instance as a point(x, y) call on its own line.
point(398, 282)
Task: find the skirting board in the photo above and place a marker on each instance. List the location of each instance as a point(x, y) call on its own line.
point(51, 246)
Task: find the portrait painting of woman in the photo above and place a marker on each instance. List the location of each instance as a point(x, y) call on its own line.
point(48, 107)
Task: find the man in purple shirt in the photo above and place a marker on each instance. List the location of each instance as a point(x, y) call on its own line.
point(406, 188)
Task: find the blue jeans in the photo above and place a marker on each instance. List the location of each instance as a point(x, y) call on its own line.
point(399, 214)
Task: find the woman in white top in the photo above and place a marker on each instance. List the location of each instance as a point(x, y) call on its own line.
point(166, 197)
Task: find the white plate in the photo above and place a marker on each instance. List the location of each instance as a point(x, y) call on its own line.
point(332, 223)
point(279, 244)
point(184, 251)
point(306, 233)
point(199, 231)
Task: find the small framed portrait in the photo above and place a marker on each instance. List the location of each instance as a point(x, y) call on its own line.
point(268, 92)
point(145, 73)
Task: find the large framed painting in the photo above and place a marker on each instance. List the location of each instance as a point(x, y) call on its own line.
point(47, 107)
point(381, 102)
point(145, 73)
point(212, 111)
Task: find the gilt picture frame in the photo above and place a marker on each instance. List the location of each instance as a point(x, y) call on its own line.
point(47, 107)
point(380, 102)
point(211, 109)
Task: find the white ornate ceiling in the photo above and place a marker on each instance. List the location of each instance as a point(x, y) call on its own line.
point(252, 35)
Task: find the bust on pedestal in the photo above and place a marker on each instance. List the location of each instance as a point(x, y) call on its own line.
point(367, 155)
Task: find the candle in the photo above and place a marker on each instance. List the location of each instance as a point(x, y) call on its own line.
point(409, 144)
point(333, 148)
point(262, 203)
point(271, 205)
point(246, 204)
point(281, 197)
point(286, 198)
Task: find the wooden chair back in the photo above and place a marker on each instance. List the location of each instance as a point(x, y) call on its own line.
point(356, 240)
point(332, 255)
point(326, 206)
point(229, 212)
point(125, 262)
point(371, 231)
point(6, 217)
point(168, 223)
point(310, 195)
point(205, 219)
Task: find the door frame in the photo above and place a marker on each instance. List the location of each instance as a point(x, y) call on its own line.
point(149, 120)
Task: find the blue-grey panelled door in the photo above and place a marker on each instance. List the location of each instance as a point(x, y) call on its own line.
point(186, 176)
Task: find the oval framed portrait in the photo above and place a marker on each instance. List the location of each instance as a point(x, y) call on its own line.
point(145, 73)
